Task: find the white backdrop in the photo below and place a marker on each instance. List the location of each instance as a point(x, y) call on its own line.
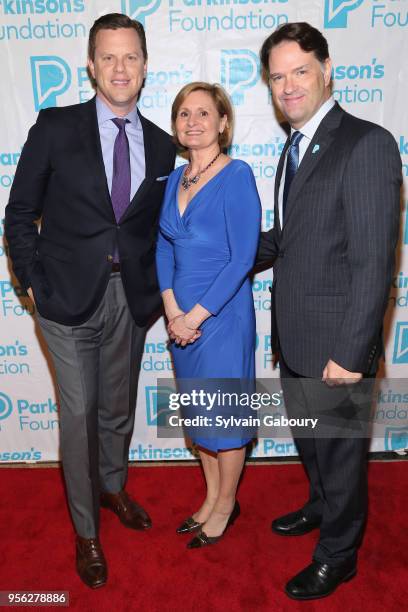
point(43, 59)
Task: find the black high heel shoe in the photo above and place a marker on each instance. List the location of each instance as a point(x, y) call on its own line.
point(189, 526)
point(202, 539)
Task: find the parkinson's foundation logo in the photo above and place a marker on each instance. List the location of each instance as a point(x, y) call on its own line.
point(264, 355)
point(157, 404)
point(336, 12)
point(400, 355)
point(396, 439)
point(240, 70)
point(6, 406)
point(51, 77)
point(139, 9)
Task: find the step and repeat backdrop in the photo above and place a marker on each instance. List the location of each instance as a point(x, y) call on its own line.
point(43, 58)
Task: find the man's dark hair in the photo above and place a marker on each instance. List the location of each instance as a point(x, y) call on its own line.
point(114, 21)
point(306, 36)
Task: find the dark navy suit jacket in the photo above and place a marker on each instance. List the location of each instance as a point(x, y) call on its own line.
point(61, 180)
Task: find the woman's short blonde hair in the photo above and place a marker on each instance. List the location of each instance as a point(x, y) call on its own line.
point(222, 103)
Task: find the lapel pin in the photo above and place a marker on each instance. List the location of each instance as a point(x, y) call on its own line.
point(316, 148)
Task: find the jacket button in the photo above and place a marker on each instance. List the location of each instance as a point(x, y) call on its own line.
point(281, 253)
point(110, 258)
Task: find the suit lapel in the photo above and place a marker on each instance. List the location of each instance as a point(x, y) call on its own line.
point(89, 134)
point(319, 144)
point(150, 176)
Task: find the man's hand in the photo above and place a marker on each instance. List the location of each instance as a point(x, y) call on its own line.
point(31, 295)
point(180, 333)
point(334, 374)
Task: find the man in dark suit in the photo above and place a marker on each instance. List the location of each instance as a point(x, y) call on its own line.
point(332, 246)
point(95, 174)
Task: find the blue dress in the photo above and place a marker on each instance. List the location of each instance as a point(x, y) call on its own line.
point(205, 256)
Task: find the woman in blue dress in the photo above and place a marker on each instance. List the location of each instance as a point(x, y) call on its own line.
point(209, 231)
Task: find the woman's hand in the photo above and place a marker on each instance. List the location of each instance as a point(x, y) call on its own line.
point(171, 308)
point(172, 313)
point(180, 332)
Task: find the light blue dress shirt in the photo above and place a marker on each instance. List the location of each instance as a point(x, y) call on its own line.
point(108, 132)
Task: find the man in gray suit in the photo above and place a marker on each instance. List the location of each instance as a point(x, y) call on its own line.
point(95, 173)
point(332, 247)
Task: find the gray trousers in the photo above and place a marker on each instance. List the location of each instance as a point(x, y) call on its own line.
point(97, 365)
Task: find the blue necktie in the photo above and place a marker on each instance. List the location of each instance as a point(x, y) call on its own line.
point(120, 193)
point(292, 163)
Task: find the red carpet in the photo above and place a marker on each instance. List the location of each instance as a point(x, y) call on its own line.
point(153, 571)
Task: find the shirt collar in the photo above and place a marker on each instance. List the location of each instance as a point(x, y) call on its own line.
point(309, 129)
point(105, 114)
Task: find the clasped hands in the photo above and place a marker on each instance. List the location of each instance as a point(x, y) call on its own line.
point(180, 332)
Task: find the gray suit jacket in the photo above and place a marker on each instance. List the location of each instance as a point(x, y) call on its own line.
point(334, 258)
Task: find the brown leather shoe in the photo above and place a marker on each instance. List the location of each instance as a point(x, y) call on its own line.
point(129, 512)
point(90, 562)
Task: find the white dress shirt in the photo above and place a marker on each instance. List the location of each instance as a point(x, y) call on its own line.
point(308, 130)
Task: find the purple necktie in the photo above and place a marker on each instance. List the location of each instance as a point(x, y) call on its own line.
point(120, 194)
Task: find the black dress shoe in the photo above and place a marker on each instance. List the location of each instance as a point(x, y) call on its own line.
point(319, 580)
point(202, 539)
point(295, 523)
point(188, 526)
point(129, 512)
point(90, 562)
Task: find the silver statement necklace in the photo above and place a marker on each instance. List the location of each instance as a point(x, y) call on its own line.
point(187, 182)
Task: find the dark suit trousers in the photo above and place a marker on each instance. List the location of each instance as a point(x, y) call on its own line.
point(97, 366)
point(334, 455)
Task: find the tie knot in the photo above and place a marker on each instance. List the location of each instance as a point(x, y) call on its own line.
point(120, 123)
point(296, 138)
